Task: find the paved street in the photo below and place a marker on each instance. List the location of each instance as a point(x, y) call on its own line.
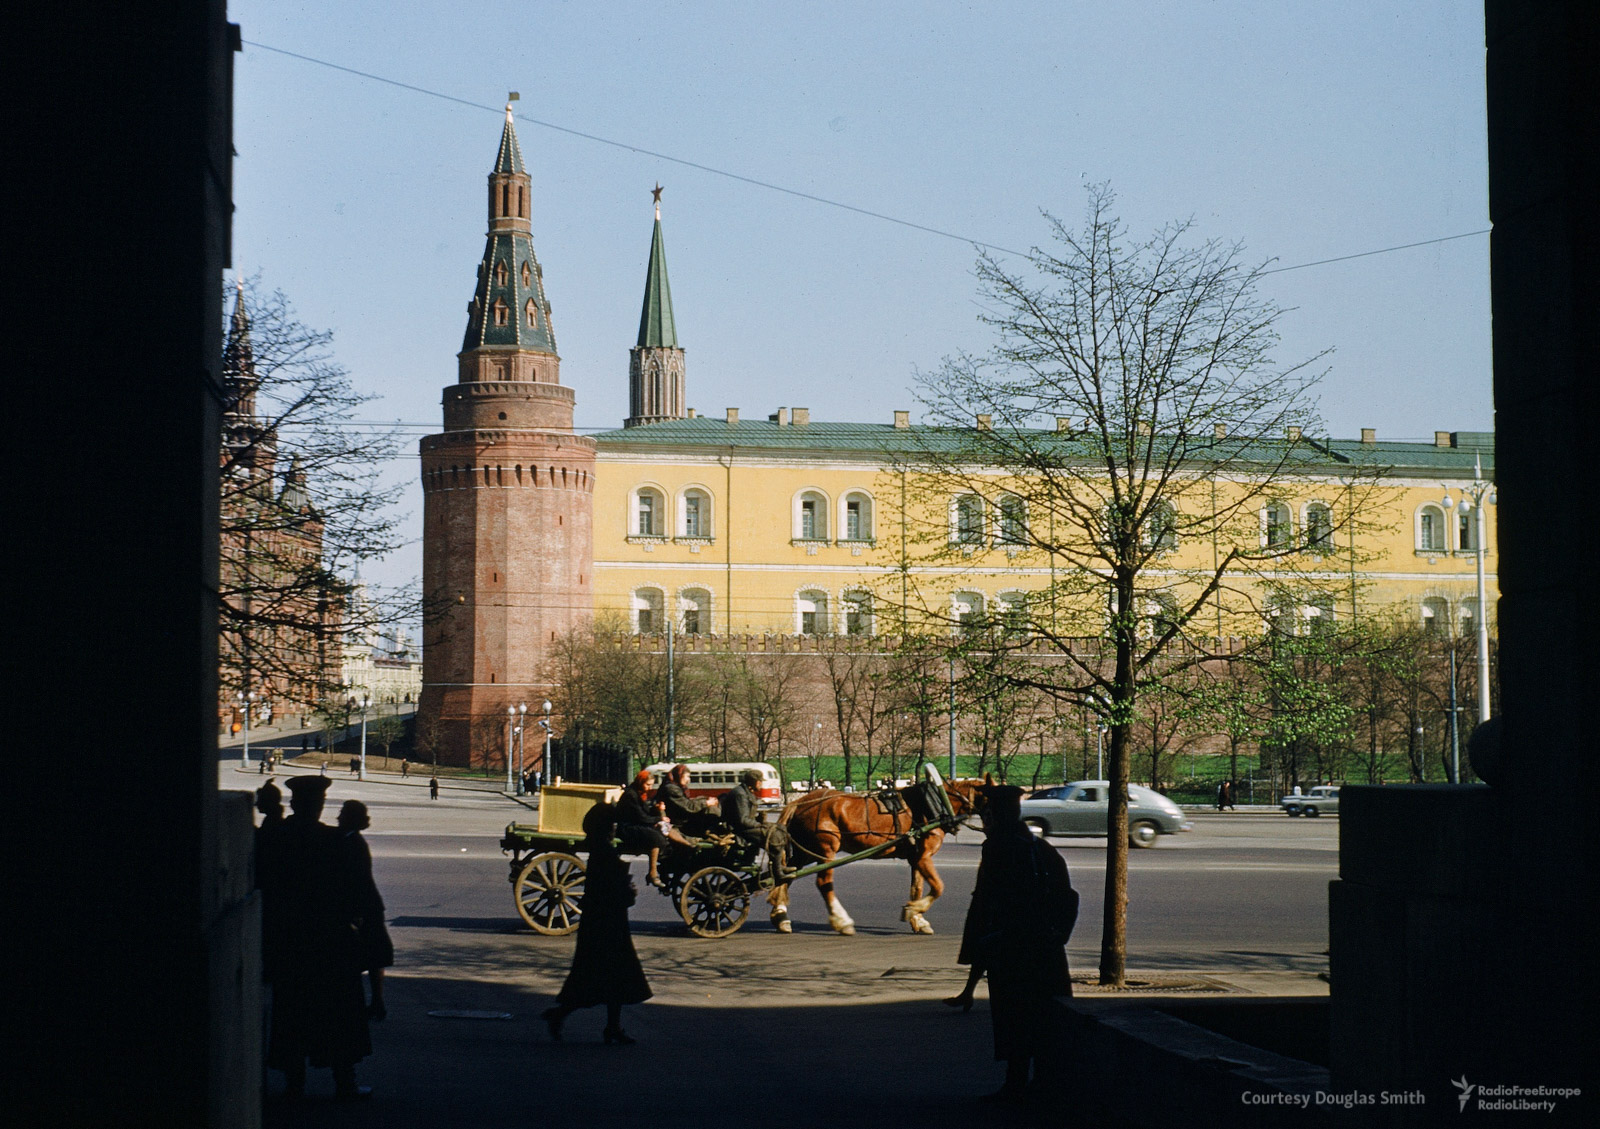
point(1238, 905)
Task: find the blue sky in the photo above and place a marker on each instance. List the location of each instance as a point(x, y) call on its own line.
point(1306, 130)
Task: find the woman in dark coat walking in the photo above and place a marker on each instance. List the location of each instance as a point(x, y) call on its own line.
point(605, 968)
point(376, 950)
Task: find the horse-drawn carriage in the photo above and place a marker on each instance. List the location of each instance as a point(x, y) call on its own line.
point(711, 883)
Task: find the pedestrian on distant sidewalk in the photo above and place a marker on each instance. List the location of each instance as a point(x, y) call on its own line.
point(405, 767)
point(433, 788)
point(605, 967)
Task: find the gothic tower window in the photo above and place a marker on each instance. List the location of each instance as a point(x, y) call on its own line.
point(500, 273)
point(527, 275)
point(532, 312)
point(500, 312)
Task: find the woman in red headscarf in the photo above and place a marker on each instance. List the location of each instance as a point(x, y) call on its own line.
point(639, 823)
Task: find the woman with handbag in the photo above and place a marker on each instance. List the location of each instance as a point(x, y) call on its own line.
point(605, 967)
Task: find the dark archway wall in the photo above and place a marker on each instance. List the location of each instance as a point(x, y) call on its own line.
point(132, 934)
point(1462, 923)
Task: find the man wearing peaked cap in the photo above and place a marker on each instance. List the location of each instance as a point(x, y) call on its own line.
point(319, 1008)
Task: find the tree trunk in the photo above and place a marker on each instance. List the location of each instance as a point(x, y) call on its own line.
point(1114, 931)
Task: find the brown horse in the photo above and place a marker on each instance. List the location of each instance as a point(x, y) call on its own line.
point(823, 824)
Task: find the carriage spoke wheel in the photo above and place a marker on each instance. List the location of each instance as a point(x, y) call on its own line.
point(714, 902)
point(548, 892)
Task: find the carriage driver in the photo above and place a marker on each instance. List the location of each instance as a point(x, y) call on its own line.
point(742, 813)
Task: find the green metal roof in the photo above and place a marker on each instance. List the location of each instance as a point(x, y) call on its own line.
point(509, 157)
point(656, 327)
point(883, 440)
point(513, 250)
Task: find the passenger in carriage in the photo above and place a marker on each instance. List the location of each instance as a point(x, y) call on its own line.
point(638, 819)
point(693, 816)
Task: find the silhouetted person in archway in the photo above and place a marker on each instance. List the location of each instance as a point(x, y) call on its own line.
point(605, 967)
point(377, 950)
point(1025, 907)
point(319, 1011)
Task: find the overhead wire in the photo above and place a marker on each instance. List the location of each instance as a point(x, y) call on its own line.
point(770, 186)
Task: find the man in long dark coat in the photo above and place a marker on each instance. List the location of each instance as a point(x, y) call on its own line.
point(312, 950)
point(1025, 908)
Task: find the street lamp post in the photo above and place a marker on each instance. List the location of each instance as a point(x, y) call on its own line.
point(1099, 751)
point(366, 700)
point(522, 722)
point(511, 733)
point(249, 705)
point(1472, 500)
point(544, 761)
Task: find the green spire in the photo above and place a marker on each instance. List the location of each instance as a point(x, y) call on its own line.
point(656, 327)
point(509, 158)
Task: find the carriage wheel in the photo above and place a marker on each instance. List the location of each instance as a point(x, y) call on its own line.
point(714, 902)
point(548, 891)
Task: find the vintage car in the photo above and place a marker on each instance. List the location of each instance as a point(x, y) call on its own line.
point(1080, 809)
point(1322, 798)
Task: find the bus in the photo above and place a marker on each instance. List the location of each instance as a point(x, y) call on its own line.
point(707, 781)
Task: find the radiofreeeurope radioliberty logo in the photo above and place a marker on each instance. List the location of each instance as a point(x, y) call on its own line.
point(1511, 1099)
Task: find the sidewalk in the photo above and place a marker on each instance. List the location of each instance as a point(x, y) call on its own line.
point(466, 1048)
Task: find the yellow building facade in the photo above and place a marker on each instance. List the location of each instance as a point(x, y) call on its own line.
point(784, 526)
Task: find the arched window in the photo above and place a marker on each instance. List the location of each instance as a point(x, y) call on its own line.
point(1467, 616)
point(1430, 529)
point(1319, 527)
point(647, 606)
point(1435, 616)
point(1281, 614)
point(811, 612)
point(1277, 528)
point(811, 516)
point(527, 272)
point(1012, 608)
point(1160, 613)
point(966, 610)
point(1318, 613)
point(696, 611)
point(1161, 528)
point(857, 517)
point(500, 273)
point(1013, 520)
point(501, 312)
point(531, 312)
point(858, 613)
point(648, 513)
point(967, 520)
point(1467, 532)
point(696, 514)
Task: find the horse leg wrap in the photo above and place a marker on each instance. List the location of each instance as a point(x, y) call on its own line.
point(919, 924)
point(916, 908)
point(780, 920)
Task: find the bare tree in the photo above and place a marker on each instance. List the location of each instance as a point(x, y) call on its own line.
point(302, 506)
point(1131, 432)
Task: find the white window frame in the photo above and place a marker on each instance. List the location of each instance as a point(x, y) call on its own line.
point(1435, 511)
point(820, 509)
point(813, 602)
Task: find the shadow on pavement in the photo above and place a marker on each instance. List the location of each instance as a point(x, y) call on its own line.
point(879, 1063)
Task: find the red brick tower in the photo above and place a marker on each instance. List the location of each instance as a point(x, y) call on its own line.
point(507, 498)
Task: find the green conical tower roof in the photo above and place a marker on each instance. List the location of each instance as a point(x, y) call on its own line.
point(509, 159)
point(656, 327)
